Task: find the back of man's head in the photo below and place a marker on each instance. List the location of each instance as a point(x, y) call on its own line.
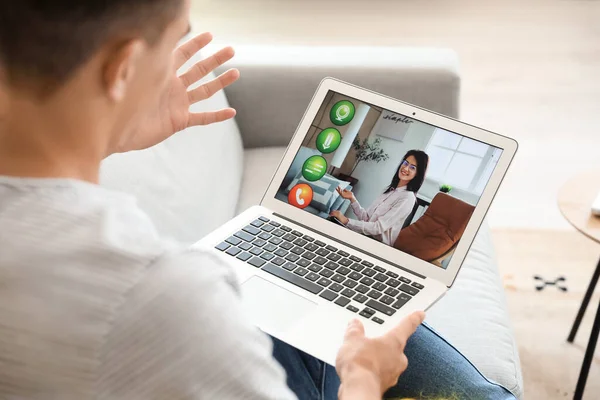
point(43, 42)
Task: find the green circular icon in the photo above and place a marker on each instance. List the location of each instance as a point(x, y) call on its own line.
point(329, 140)
point(314, 168)
point(342, 112)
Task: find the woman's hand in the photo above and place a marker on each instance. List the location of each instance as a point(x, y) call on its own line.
point(368, 367)
point(341, 217)
point(346, 194)
point(173, 113)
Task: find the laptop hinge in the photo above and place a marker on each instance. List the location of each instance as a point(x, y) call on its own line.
point(353, 247)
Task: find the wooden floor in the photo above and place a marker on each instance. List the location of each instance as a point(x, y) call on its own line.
point(530, 70)
point(542, 319)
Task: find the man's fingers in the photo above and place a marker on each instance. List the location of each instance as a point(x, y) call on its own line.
point(206, 66)
point(406, 328)
point(355, 329)
point(187, 50)
point(212, 117)
point(210, 88)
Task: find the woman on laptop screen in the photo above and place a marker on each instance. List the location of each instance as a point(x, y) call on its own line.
point(385, 217)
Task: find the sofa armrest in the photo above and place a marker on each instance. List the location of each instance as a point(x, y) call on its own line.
point(277, 83)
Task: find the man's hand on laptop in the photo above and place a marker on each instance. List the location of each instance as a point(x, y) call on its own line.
point(368, 367)
point(173, 113)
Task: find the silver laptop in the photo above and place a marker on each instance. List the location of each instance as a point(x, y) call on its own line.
point(311, 257)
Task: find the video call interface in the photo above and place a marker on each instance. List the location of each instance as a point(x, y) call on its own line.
point(390, 177)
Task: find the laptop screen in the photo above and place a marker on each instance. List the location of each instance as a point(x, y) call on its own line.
point(390, 177)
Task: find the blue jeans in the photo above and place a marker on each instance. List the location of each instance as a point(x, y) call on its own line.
point(435, 370)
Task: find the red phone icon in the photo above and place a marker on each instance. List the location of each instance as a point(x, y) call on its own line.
point(301, 195)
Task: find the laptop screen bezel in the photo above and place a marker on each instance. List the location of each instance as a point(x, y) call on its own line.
point(448, 275)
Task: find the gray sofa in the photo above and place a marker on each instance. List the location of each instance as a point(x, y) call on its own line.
point(200, 178)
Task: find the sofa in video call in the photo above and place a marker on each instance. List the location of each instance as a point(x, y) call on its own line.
point(392, 178)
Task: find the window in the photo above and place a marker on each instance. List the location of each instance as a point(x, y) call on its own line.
point(461, 162)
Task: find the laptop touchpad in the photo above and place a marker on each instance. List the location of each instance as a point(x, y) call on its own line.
point(272, 307)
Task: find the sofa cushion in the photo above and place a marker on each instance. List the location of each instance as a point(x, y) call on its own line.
point(259, 166)
point(283, 80)
point(190, 183)
point(473, 315)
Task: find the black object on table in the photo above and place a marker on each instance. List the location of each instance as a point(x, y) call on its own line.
point(333, 219)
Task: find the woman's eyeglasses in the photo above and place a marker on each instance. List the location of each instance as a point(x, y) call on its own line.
point(409, 165)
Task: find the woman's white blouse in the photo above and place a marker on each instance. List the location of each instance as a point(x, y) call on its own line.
point(384, 218)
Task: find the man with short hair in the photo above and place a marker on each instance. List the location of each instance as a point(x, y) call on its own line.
point(93, 304)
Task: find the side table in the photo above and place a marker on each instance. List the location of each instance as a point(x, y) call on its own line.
point(575, 202)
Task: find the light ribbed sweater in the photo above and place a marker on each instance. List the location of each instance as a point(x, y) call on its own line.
point(94, 305)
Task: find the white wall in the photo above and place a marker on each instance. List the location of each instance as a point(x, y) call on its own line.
point(373, 178)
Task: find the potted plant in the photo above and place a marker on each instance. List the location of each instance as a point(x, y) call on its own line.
point(368, 151)
point(445, 188)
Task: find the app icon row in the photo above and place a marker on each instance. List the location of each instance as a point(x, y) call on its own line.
point(328, 141)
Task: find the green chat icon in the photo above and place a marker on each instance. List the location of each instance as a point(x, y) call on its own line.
point(329, 140)
point(314, 168)
point(342, 112)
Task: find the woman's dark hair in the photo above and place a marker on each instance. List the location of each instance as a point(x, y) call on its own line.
point(415, 184)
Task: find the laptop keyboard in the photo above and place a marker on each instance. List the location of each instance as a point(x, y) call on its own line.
point(321, 269)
